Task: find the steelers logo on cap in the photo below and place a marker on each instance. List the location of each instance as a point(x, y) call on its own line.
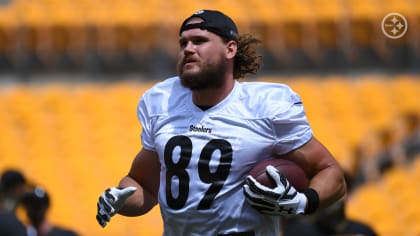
point(199, 12)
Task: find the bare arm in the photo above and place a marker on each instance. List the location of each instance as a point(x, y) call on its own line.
point(144, 174)
point(327, 177)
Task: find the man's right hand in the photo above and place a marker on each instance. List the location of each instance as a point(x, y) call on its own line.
point(111, 201)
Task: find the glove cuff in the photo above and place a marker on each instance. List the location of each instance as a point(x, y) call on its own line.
point(313, 200)
point(302, 202)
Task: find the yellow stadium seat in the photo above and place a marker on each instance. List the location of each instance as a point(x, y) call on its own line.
point(404, 7)
point(406, 88)
point(363, 9)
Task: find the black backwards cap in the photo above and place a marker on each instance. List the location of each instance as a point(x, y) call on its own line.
point(36, 198)
point(213, 21)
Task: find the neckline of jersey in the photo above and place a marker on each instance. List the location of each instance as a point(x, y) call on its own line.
point(218, 105)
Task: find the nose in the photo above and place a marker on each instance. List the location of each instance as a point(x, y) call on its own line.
point(189, 48)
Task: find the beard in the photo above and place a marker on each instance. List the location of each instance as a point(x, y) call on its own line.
point(210, 76)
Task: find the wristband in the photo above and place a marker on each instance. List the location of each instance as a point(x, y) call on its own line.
point(313, 200)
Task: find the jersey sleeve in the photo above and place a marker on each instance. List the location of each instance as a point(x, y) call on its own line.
point(291, 127)
point(145, 121)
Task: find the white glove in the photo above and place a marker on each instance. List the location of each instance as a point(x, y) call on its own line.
point(111, 201)
point(281, 200)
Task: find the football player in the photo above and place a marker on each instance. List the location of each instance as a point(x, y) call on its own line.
point(203, 131)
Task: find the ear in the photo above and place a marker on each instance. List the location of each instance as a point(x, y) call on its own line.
point(231, 49)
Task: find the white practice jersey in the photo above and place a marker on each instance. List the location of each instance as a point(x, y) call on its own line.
point(206, 155)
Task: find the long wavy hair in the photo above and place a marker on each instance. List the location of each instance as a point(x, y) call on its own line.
point(247, 60)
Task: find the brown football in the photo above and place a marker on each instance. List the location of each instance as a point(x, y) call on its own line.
point(292, 171)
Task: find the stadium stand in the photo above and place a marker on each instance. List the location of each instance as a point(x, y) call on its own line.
point(115, 36)
point(376, 199)
point(75, 139)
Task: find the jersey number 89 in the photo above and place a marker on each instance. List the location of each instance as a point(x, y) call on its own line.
point(177, 169)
